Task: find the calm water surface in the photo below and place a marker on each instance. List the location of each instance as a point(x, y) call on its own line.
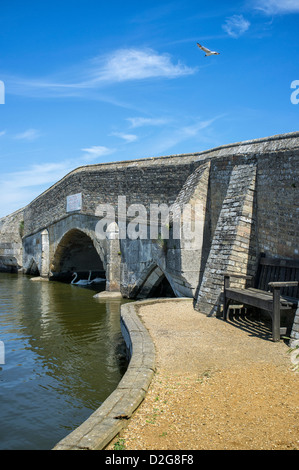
point(64, 354)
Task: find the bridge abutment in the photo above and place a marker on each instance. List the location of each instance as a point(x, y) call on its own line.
point(113, 278)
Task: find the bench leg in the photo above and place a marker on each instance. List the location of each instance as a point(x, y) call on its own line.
point(276, 315)
point(226, 303)
point(225, 299)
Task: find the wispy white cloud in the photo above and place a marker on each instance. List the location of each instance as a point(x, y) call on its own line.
point(18, 188)
point(193, 129)
point(236, 25)
point(141, 121)
point(126, 137)
point(2, 133)
point(94, 152)
point(119, 66)
point(198, 131)
point(273, 7)
point(29, 134)
point(136, 64)
point(36, 175)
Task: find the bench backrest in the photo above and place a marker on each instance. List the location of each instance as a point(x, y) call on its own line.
point(272, 269)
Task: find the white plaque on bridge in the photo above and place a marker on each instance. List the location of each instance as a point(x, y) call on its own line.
point(74, 202)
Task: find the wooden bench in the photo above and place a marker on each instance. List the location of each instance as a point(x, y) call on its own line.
point(275, 290)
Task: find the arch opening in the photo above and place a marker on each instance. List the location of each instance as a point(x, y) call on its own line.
point(162, 289)
point(33, 268)
point(76, 253)
point(156, 285)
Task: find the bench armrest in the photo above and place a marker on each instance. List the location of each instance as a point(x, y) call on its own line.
point(284, 284)
point(243, 276)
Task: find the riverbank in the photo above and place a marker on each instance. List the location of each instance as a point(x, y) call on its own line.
point(218, 385)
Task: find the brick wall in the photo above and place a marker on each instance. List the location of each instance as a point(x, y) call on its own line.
point(277, 204)
point(11, 231)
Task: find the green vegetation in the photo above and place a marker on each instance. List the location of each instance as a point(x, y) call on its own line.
point(119, 444)
point(21, 228)
point(162, 243)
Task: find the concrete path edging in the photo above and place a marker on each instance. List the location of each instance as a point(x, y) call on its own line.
point(107, 421)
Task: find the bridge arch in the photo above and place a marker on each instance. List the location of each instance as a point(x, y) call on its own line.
point(33, 268)
point(155, 284)
point(76, 252)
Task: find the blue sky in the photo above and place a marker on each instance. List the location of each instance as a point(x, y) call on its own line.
point(92, 81)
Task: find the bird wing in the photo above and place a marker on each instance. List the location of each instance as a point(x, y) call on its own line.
point(203, 48)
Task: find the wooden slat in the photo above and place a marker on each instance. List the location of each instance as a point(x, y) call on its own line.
point(279, 262)
point(291, 301)
point(259, 292)
point(249, 295)
point(275, 269)
point(284, 300)
point(283, 295)
point(283, 284)
point(269, 275)
point(259, 300)
point(263, 280)
point(278, 273)
point(243, 276)
point(283, 278)
point(293, 292)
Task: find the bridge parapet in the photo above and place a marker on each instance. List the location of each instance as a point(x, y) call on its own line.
point(143, 181)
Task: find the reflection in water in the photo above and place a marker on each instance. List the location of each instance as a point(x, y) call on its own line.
point(64, 354)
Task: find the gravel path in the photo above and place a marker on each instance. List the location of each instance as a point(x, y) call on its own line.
point(218, 385)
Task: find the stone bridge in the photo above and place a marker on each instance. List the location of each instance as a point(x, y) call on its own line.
point(246, 196)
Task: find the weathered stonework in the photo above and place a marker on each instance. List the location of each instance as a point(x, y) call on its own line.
point(234, 246)
point(11, 250)
point(295, 330)
point(248, 194)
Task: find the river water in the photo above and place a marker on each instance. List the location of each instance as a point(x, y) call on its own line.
point(62, 355)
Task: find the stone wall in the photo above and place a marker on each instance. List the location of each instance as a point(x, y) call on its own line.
point(11, 232)
point(277, 202)
point(295, 330)
point(267, 222)
point(233, 247)
point(142, 182)
point(249, 197)
point(70, 244)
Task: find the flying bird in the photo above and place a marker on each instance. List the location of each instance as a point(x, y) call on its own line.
point(207, 51)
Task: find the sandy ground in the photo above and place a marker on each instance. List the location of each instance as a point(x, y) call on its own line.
point(218, 385)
